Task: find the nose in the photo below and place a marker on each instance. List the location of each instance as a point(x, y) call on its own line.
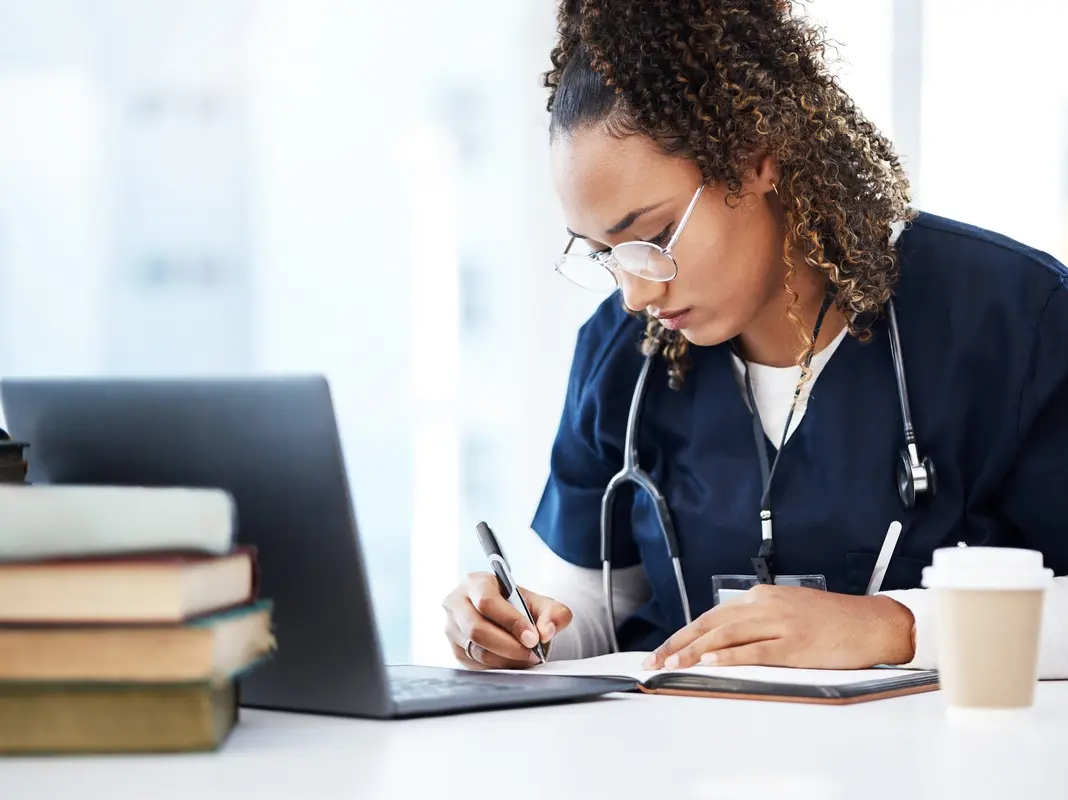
point(639, 293)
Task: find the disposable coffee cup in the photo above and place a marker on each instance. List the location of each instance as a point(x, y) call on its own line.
point(988, 620)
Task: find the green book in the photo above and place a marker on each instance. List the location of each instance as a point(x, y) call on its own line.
point(97, 718)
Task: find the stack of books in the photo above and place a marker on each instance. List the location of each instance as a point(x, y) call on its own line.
point(127, 618)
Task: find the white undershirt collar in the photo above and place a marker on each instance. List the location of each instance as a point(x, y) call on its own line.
point(773, 388)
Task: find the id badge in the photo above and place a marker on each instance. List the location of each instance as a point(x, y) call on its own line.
point(726, 588)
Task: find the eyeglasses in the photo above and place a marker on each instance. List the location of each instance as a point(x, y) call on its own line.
point(596, 270)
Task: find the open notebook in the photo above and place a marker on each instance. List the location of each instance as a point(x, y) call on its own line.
point(754, 683)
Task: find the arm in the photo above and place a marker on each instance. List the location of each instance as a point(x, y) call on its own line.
point(1053, 655)
point(586, 453)
point(484, 629)
point(580, 589)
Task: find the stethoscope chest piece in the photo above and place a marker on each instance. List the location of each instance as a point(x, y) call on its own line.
point(916, 478)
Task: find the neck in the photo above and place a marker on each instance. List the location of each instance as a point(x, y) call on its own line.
point(773, 338)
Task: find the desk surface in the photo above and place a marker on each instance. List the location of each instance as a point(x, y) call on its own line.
point(619, 747)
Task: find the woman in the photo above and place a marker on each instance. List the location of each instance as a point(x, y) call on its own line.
point(779, 247)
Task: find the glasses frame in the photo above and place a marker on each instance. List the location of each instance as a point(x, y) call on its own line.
point(608, 260)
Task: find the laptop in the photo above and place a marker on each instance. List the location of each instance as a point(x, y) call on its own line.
point(273, 443)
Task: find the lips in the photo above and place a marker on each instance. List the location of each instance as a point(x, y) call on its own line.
point(673, 320)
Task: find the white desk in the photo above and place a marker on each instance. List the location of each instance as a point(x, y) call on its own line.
point(655, 748)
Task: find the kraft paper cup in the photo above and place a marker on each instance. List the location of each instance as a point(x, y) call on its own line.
point(988, 604)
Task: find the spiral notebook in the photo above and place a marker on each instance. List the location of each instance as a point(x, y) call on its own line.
point(783, 684)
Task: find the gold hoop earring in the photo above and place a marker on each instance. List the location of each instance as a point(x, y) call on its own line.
point(775, 188)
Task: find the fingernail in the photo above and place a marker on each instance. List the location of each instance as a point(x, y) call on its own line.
point(650, 660)
point(672, 662)
point(550, 631)
point(709, 658)
point(529, 639)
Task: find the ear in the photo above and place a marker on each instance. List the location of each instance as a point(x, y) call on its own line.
point(766, 174)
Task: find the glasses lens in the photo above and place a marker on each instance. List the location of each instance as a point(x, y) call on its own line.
point(644, 260)
point(589, 273)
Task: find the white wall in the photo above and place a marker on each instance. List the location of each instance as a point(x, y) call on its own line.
point(52, 225)
point(995, 114)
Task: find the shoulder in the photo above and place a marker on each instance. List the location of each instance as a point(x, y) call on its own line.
point(987, 300)
point(965, 285)
point(951, 258)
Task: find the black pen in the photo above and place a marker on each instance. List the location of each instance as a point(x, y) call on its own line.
point(504, 579)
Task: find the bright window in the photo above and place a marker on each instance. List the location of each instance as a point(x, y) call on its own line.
point(322, 192)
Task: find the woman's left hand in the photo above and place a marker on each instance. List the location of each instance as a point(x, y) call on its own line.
point(792, 626)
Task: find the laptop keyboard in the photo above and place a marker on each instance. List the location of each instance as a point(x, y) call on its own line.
point(407, 689)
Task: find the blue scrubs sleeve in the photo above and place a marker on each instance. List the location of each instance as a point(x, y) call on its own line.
point(1035, 494)
point(588, 449)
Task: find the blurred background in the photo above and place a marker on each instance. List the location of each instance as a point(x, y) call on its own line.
point(200, 187)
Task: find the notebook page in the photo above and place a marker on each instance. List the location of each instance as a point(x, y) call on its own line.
point(629, 665)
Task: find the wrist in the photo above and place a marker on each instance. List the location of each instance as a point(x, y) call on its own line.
point(897, 631)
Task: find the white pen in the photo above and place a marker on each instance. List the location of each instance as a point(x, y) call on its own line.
point(889, 545)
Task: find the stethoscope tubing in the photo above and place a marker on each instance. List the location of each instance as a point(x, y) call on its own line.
point(632, 473)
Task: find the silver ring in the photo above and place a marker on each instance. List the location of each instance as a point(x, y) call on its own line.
point(467, 649)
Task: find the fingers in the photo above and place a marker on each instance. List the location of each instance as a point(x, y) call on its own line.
point(483, 627)
point(732, 635)
point(477, 639)
point(758, 606)
point(489, 637)
point(688, 635)
point(459, 651)
point(485, 595)
point(682, 638)
point(485, 630)
point(551, 616)
point(766, 653)
point(483, 658)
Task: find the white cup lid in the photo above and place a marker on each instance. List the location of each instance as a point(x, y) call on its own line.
point(986, 568)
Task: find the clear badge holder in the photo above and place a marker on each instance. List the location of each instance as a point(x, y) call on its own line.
point(726, 588)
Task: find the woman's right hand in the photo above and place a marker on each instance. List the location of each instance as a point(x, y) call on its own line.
point(488, 632)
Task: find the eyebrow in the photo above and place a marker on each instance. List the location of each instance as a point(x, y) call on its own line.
point(624, 223)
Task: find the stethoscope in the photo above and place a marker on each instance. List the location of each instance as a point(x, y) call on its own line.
point(915, 475)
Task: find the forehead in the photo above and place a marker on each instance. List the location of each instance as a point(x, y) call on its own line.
point(600, 178)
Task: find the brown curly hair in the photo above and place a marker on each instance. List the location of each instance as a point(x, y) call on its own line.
point(718, 81)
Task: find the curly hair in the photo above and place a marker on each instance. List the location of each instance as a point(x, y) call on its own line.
point(717, 81)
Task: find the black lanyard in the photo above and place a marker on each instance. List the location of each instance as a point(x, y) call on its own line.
point(763, 564)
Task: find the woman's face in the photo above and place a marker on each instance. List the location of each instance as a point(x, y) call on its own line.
point(730, 265)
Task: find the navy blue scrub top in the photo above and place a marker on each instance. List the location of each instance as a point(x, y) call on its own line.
point(984, 333)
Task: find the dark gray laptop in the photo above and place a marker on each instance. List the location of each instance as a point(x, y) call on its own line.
point(273, 444)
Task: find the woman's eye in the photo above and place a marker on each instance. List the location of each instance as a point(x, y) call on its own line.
point(663, 237)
